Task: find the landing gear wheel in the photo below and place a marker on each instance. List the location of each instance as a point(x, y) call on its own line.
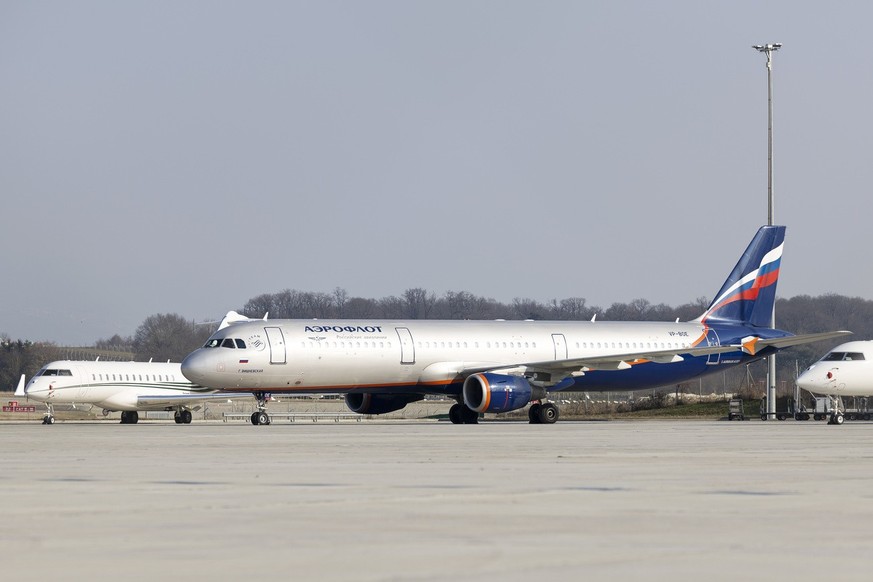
point(177, 418)
point(837, 418)
point(455, 414)
point(533, 413)
point(186, 417)
point(48, 419)
point(548, 413)
point(468, 415)
point(255, 418)
point(263, 418)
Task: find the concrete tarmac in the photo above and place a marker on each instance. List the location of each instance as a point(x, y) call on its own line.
point(426, 500)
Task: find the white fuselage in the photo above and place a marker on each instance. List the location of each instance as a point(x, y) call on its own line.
point(846, 370)
point(341, 356)
point(112, 386)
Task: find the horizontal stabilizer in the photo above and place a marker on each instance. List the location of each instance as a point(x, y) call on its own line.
point(792, 340)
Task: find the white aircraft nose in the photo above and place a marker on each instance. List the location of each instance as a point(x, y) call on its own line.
point(815, 378)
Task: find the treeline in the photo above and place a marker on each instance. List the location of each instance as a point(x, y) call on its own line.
point(171, 336)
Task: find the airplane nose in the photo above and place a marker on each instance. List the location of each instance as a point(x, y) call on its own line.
point(810, 379)
point(192, 367)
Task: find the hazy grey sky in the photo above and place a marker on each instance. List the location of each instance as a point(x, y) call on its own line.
point(186, 156)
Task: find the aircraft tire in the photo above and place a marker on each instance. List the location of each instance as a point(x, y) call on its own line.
point(469, 416)
point(263, 418)
point(133, 415)
point(255, 418)
point(177, 418)
point(48, 419)
point(838, 418)
point(185, 417)
point(548, 413)
point(533, 414)
point(455, 414)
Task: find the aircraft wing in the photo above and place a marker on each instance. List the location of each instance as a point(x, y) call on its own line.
point(149, 402)
point(560, 369)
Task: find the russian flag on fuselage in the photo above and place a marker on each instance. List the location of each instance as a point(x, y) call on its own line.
point(749, 293)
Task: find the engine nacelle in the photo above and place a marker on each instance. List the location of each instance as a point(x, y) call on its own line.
point(366, 403)
point(498, 392)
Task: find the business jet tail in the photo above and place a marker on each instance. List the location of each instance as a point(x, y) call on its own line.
point(19, 391)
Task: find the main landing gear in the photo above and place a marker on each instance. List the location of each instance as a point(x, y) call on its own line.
point(129, 417)
point(543, 413)
point(539, 413)
point(182, 416)
point(460, 414)
point(261, 416)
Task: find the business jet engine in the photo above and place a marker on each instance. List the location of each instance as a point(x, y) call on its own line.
point(366, 403)
point(499, 392)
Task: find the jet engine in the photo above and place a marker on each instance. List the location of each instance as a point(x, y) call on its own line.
point(366, 403)
point(498, 392)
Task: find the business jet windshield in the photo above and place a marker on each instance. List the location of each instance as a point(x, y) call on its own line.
point(843, 356)
point(226, 343)
point(54, 372)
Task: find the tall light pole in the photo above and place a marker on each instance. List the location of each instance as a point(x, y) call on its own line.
point(769, 49)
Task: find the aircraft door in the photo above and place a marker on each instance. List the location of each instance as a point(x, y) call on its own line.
point(712, 340)
point(560, 346)
point(277, 344)
point(407, 348)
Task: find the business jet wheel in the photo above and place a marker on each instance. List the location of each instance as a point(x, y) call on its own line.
point(838, 418)
point(185, 417)
point(533, 413)
point(48, 419)
point(263, 418)
point(548, 413)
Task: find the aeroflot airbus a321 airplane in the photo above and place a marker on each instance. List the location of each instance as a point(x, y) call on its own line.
point(497, 366)
point(125, 386)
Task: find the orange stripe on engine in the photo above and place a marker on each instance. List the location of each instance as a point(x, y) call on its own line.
point(487, 399)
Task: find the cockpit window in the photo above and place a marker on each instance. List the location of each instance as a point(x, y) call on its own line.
point(843, 356)
point(52, 372)
point(225, 342)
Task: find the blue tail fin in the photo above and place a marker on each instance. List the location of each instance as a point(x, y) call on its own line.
point(749, 293)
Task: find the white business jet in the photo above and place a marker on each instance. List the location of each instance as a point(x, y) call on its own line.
point(846, 370)
point(128, 387)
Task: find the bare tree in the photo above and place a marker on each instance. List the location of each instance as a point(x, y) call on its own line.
point(167, 336)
